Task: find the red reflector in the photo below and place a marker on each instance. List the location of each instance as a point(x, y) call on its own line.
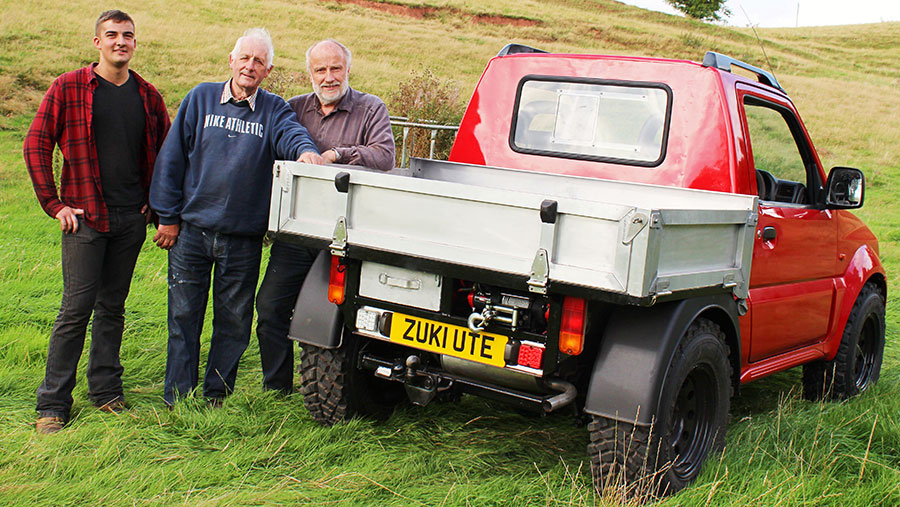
point(571, 329)
point(530, 356)
point(336, 281)
point(471, 299)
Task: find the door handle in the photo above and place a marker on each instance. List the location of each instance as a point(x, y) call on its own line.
point(768, 233)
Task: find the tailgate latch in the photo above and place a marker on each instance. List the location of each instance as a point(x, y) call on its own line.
point(540, 272)
point(635, 222)
point(338, 244)
point(540, 267)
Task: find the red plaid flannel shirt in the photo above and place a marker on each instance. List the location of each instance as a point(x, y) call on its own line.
point(64, 119)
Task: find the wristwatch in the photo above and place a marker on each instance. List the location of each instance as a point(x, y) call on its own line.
point(337, 155)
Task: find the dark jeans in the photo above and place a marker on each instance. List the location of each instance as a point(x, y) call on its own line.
point(235, 261)
point(288, 265)
point(97, 269)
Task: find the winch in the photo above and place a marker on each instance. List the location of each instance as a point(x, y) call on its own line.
point(511, 310)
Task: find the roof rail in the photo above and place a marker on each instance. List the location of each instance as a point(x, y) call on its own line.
point(512, 49)
point(722, 62)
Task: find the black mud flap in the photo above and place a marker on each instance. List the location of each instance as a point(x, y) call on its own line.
point(316, 320)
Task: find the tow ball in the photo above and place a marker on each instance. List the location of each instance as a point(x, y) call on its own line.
point(421, 386)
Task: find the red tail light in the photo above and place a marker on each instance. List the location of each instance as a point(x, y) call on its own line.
point(337, 281)
point(530, 356)
point(571, 329)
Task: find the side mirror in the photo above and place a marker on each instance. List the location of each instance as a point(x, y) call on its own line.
point(845, 188)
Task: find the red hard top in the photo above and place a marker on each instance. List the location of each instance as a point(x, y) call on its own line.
point(701, 150)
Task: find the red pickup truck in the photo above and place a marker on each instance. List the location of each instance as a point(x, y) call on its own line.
point(631, 238)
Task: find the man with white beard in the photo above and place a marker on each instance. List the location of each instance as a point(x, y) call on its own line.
point(348, 127)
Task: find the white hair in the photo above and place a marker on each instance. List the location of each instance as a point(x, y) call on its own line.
point(262, 35)
point(348, 56)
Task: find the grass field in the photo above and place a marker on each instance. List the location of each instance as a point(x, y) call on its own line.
point(264, 449)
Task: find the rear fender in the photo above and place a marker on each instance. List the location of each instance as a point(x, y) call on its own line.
point(316, 320)
point(637, 346)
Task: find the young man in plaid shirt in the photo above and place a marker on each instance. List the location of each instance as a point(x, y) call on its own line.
point(109, 125)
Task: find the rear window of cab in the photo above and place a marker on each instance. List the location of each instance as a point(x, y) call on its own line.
point(608, 121)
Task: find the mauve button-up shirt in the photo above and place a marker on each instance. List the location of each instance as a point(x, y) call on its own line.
point(358, 128)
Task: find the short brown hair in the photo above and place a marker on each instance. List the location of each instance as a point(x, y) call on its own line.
point(115, 15)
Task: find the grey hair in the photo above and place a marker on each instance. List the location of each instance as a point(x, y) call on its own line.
point(262, 35)
point(347, 54)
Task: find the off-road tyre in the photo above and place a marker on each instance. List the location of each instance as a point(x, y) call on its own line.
point(335, 389)
point(619, 455)
point(857, 364)
point(641, 462)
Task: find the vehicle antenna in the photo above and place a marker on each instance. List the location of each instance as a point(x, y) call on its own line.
point(753, 27)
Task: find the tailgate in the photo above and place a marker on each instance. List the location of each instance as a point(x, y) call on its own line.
point(624, 238)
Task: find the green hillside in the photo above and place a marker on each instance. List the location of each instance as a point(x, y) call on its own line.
point(262, 449)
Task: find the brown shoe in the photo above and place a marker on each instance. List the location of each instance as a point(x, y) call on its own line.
point(50, 424)
point(114, 406)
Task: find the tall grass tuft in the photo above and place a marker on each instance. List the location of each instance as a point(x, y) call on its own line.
point(424, 97)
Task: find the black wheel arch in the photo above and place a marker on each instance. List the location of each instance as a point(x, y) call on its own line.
point(637, 346)
point(876, 280)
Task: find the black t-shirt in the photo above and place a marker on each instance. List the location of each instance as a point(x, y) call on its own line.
point(118, 122)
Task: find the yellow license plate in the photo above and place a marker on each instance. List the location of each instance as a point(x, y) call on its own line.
point(456, 341)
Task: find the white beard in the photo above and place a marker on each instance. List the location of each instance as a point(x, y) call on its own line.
point(345, 85)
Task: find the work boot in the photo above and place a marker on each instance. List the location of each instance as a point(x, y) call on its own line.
point(113, 406)
point(49, 424)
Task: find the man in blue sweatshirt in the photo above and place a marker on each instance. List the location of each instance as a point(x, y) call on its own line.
point(211, 189)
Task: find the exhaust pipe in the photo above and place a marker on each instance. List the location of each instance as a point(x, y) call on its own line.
point(566, 396)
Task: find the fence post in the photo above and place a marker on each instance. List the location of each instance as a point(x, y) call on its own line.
point(403, 153)
point(409, 135)
point(431, 149)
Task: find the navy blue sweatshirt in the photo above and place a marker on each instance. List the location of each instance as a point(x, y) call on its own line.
point(215, 167)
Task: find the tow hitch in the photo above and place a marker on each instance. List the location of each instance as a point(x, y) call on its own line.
point(421, 386)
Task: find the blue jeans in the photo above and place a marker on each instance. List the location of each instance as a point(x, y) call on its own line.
point(97, 269)
point(288, 265)
point(233, 262)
